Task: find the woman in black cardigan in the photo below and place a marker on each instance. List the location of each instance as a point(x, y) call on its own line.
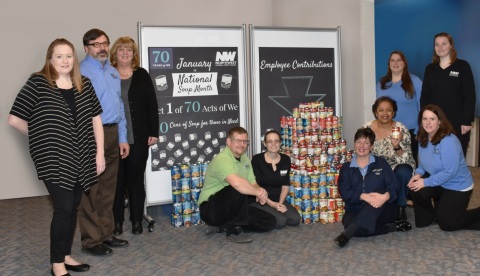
point(141, 112)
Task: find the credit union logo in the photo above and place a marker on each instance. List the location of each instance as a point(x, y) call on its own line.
point(226, 58)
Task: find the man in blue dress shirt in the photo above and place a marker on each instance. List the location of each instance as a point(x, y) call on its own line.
point(95, 216)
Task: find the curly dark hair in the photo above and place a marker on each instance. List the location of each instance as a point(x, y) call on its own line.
point(385, 99)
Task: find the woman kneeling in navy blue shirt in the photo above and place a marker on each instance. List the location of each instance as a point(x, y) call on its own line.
point(442, 175)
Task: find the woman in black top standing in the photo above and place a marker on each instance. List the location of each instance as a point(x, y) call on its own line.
point(141, 113)
point(59, 112)
point(272, 172)
point(448, 83)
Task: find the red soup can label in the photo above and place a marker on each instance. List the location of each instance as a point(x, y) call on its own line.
point(331, 204)
point(333, 191)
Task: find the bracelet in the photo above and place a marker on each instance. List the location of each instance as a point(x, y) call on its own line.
point(397, 148)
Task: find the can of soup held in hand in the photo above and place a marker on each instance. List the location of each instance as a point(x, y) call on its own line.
point(395, 132)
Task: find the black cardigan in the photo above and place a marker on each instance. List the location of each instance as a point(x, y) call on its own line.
point(143, 107)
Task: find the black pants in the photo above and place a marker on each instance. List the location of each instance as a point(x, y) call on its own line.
point(290, 217)
point(131, 178)
point(450, 211)
point(464, 139)
point(64, 220)
point(371, 221)
point(229, 208)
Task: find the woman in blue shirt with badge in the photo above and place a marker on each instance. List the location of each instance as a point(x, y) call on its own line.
point(442, 175)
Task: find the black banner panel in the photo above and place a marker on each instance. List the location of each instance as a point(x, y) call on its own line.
point(292, 66)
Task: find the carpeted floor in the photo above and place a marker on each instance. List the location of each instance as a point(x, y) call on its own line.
point(302, 250)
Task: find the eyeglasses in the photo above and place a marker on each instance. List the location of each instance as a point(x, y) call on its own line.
point(240, 141)
point(273, 142)
point(98, 44)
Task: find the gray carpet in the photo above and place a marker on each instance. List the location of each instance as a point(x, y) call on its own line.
point(302, 250)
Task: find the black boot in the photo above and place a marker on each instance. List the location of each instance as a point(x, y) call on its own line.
point(137, 228)
point(341, 240)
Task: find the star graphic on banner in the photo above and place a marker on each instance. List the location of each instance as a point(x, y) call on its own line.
point(292, 99)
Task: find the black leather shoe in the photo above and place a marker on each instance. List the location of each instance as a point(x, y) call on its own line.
point(137, 228)
point(118, 230)
point(99, 250)
point(403, 226)
point(232, 230)
point(341, 240)
point(114, 242)
point(78, 268)
point(53, 274)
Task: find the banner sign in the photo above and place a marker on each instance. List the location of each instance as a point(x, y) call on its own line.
point(289, 76)
point(197, 93)
point(198, 75)
point(292, 66)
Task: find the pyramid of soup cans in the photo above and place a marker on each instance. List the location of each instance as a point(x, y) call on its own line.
point(187, 181)
point(312, 139)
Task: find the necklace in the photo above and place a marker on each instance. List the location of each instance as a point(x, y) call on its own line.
point(126, 75)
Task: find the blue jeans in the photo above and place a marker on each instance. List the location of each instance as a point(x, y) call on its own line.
point(403, 172)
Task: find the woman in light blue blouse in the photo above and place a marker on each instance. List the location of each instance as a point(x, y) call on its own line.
point(405, 89)
point(442, 176)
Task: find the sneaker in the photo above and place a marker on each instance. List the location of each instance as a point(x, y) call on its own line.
point(341, 240)
point(403, 226)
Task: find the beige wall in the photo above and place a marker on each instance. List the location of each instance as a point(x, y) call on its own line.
point(27, 27)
